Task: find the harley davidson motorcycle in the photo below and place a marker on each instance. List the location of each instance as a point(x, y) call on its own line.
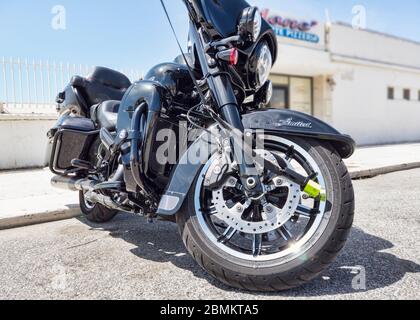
point(261, 196)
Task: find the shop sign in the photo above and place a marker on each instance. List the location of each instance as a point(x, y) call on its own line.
point(292, 28)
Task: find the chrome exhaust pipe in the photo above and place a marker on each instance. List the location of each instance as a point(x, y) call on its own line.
point(77, 184)
point(72, 183)
point(103, 200)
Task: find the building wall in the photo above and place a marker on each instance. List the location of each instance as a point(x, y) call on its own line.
point(323, 108)
point(23, 141)
point(361, 107)
point(373, 46)
point(366, 64)
point(351, 77)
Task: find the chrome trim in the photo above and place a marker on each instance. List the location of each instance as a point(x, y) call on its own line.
point(168, 203)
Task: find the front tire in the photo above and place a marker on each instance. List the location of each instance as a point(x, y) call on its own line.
point(279, 274)
point(96, 213)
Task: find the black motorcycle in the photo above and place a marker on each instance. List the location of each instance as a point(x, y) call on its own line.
point(261, 196)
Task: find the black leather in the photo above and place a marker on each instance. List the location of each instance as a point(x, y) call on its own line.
point(105, 114)
point(101, 85)
point(78, 124)
point(110, 78)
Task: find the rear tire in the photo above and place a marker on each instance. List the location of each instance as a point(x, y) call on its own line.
point(279, 275)
point(96, 213)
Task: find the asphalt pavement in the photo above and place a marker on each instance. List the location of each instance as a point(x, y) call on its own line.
point(131, 259)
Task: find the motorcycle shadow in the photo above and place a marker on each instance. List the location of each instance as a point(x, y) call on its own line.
point(361, 267)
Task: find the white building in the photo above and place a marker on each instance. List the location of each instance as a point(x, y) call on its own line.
point(364, 83)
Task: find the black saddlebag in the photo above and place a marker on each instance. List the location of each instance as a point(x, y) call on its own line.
point(72, 140)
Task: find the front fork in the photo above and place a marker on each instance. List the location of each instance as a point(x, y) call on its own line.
point(241, 155)
point(227, 106)
point(228, 109)
point(243, 152)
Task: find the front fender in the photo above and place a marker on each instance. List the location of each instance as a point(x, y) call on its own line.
point(184, 174)
point(293, 123)
point(280, 122)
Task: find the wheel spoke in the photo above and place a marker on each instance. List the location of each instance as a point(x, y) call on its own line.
point(285, 233)
point(290, 153)
point(257, 214)
point(212, 211)
point(227, 236)
point(257, 245)
point(305, 211)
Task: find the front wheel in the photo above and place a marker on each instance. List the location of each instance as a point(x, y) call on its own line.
point(281, 240)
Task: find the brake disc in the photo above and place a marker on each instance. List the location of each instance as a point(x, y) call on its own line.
point(273, 216)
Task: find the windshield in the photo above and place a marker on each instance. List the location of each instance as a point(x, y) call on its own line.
point(223, 15)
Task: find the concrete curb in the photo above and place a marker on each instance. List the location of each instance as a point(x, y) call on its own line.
point(370, 173)
point(40, 217)
point(73, 211)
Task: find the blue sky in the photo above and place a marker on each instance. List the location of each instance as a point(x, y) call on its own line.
point(135, 34)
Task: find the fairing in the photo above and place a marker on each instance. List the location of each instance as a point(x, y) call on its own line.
point(151, 92)
point(155, 96)
point(221, 18)
point(174, 77)
point(223, 15)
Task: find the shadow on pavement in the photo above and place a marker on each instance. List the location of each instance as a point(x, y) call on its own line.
point(160, 242)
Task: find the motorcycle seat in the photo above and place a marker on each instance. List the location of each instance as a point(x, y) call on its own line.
point(105, 114)
point(101, 85)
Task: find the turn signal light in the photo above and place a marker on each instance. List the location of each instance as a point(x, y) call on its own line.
point(231, 56)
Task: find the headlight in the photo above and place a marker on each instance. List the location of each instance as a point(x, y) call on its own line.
point(250, 24)
point(264, 64)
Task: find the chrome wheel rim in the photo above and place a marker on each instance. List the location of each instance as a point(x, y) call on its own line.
point(296, 245)
point(89, 205)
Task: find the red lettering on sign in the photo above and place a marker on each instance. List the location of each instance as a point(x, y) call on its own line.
point(288, 23)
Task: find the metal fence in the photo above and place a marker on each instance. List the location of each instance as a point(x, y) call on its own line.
point(30, 86)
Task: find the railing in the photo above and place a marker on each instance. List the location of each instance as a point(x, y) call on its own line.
point(30, 86)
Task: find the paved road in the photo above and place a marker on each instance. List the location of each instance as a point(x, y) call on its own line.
point(130, 259)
